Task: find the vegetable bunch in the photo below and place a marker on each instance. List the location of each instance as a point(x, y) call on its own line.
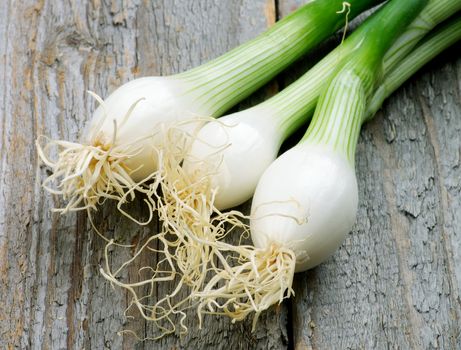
point(193, 168)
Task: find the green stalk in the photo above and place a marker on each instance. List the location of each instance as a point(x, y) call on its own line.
point(228, 79)
point(341, 108)
point(296, 103)
point(436, 42)
point(434, 13)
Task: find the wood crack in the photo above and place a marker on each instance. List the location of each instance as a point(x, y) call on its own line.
point(399, 227)
point(443, 208)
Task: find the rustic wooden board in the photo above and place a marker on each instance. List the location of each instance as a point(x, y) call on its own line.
point(394, 283)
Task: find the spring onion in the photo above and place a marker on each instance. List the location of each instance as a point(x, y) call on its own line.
point(306, 201)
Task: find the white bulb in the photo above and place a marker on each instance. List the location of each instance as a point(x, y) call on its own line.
point(162, 100)
point(307, 201)
point(240, 147)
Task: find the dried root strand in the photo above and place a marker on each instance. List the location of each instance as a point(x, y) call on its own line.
point(206, 273)
point(166, 312)
point(262, 278)
point(186, 205)
point(222, 278)
point(85, 175)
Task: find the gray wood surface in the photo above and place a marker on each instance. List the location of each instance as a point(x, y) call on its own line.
point(395, 282)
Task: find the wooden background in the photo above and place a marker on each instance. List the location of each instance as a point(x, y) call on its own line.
point(395, 282)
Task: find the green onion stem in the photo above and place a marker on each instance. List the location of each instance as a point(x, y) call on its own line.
point(434, 13)
point(226, 80)
point(296, 103)
point(338, 116)
point(445, 36)
point(341, 108)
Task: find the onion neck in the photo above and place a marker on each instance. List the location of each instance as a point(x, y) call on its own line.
point(339, 115)
point(434, 13)
point(441, 39)
point(341, 109)
point(226, 80)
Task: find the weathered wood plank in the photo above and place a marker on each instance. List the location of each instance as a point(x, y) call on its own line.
point(52, 295)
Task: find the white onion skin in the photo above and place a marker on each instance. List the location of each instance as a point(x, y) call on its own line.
point(252, 138)
point(315, 184)
point(164, 100)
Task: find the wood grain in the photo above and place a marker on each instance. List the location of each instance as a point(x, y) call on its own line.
point(396, 281)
